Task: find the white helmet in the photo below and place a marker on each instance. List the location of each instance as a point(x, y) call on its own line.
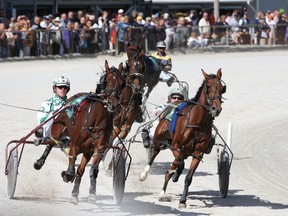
point(161, 44)
point(61, 81)
point(174, 91)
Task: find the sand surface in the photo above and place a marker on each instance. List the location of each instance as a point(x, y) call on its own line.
point(256, 105)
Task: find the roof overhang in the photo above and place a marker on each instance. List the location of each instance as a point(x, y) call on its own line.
point(196, 1)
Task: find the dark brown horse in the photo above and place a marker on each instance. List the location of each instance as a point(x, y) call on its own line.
point(148, 66)
point(89, 131)
point(192, 132)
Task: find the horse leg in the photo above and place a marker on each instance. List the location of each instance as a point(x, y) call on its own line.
point(80, 171)
point(188, 179)
point(178, 171)
point(143, 176)
point(162, 196)
point(92, 190)
point(69, 174)
point(93, 176)
point(40, 162)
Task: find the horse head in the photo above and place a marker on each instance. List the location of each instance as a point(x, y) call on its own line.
point(214, 87)
point(136, 68)
point(113, 83)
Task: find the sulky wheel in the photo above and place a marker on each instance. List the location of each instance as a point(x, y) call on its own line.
point(118, 166)
point(223, 172)
point(12, 173)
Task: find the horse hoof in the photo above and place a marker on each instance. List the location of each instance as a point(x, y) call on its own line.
point(38, 164)
point(165, 198)
point(143, 176)
point(74, 200)
point(182, 205)
point(67, 176)
point(175, 178)
point(91, 198)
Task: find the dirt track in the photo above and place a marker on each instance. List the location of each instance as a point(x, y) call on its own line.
point(256, 105)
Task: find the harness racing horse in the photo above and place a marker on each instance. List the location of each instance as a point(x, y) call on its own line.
point(193, 132)
point(130, 101)
point(148, 66)
point(91, 130)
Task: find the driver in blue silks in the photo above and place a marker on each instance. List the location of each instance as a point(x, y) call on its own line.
point(175, 96)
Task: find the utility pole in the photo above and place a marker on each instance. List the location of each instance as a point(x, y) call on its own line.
point(216, 9)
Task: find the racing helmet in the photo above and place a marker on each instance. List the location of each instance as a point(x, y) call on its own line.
point(161, 44)
point(61, 81)
point(175, 91)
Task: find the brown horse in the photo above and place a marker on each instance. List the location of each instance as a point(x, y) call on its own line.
point(192, 134)
point(148, 66)
point(90, 130)
point(91, 133)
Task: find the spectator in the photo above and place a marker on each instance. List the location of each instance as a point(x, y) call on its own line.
point(3, 42)
point(181, 33)
point(271, 23)
point(193, 41)
point(104, 27)
point(160, 30)
point(220, 30)
point(204, 24)
point(234, 24)
point(121, 28)
point(244, 29)
point(169, 40)
point(264, 31)
point(257, 31)
point(281, 29)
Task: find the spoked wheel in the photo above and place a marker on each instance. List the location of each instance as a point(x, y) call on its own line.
point(12, 173)
point(223, 172)
point(118, 171)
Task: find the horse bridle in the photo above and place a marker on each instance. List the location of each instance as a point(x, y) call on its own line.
point(114, 90)
point(218, 97)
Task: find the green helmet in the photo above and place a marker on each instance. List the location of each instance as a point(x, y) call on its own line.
point(175, 91)
point(61, 81)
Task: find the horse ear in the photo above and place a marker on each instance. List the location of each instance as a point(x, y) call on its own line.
point(205, 74)
point(142, 53)
point(120, 67)
point(106, 66)
point(219, 73)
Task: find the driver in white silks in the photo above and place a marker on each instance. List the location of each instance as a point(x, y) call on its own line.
point(61, 87)
point(165, 62)
point(175, 96)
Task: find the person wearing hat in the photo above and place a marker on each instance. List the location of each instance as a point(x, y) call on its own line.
point(281, 29)
point(60, 86)
point(165, 62)
point(175, 97)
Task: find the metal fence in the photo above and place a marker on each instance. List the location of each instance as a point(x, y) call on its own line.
point(68, 41)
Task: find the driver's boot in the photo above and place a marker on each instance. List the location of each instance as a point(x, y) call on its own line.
point(145, 138)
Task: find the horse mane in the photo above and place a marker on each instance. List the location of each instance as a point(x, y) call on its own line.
point(198, 93)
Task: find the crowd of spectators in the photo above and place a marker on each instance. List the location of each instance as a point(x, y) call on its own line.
point(79, 32)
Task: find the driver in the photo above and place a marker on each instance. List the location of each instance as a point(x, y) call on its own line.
point(60, 86)
point(165, 62)
point(175, 96)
